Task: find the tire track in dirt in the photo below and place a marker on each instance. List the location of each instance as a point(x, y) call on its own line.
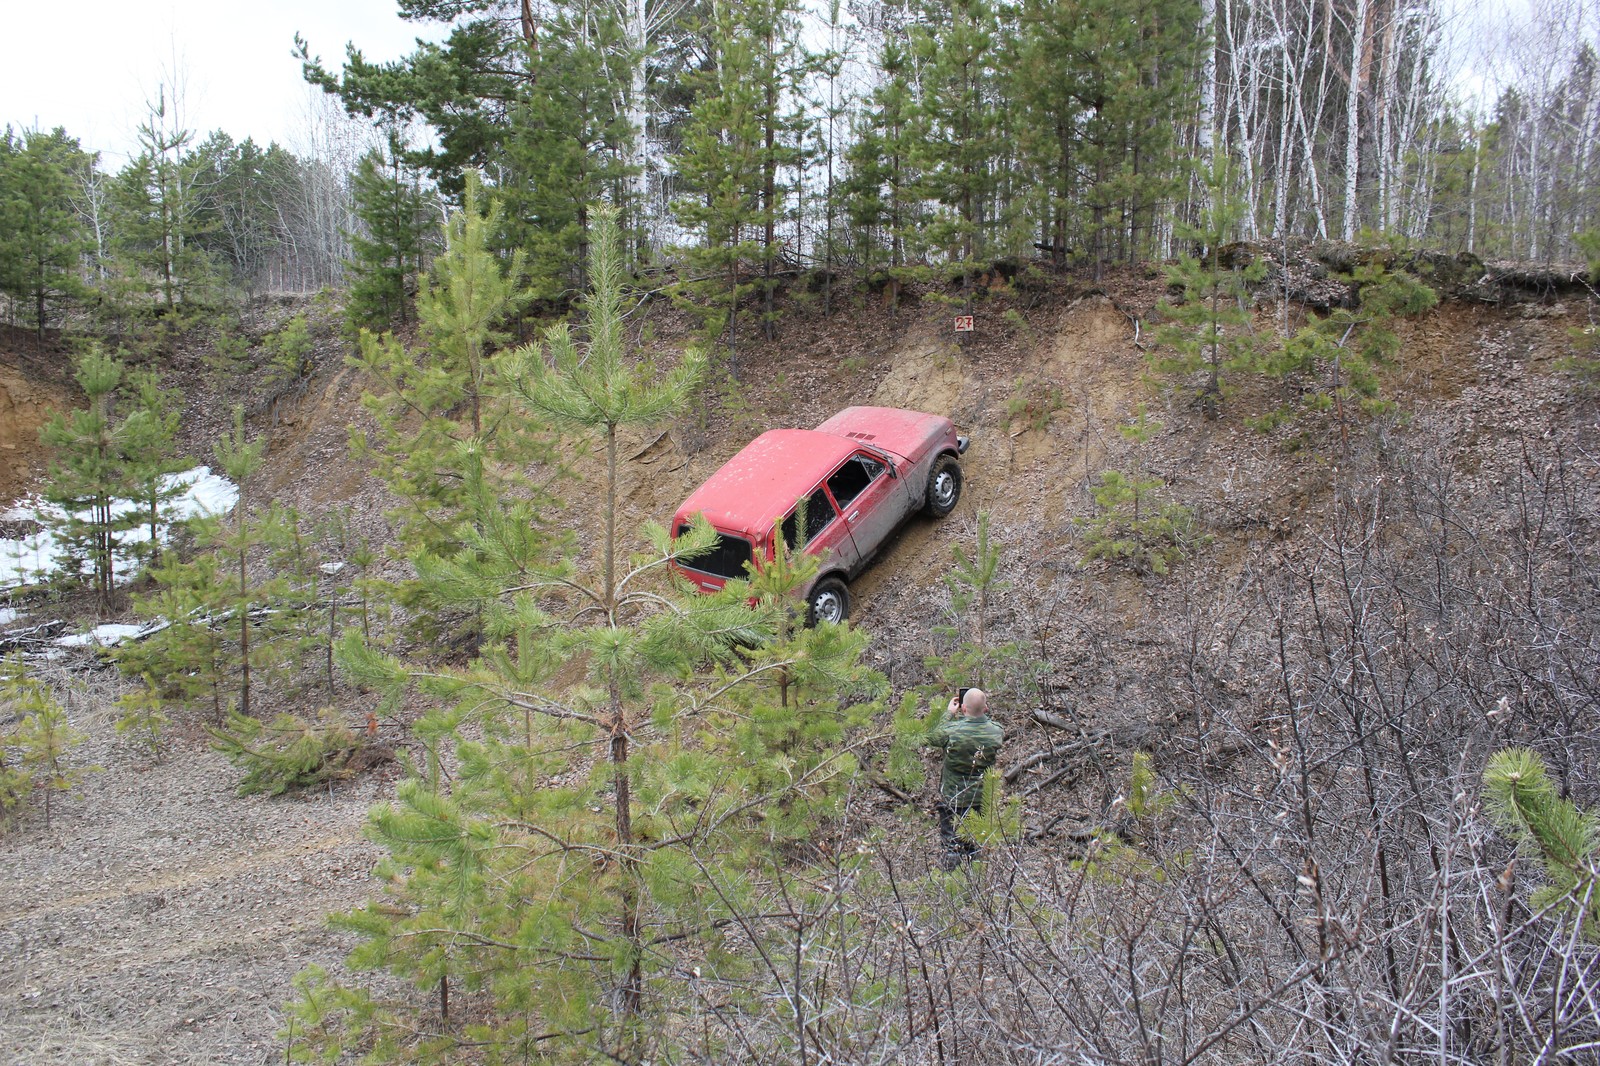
point(189, 878)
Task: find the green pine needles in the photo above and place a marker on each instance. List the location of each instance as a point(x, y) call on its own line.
point(1584, 362)
point(1209, 335)
point(1524, 802)
point(1337, 362)
point(619, 774)
point(121, 447)
point(1135, 526)
point(34, 753)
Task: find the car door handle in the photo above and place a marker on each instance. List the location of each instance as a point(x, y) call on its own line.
point(853, 516)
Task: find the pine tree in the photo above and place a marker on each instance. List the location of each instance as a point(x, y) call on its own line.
point(112, 472)
point(779, 69)
point(1106, 85)
point(1136, 527)
point(834, 102)
point(185, 658)
point(240, 458)
point(41, 236)
point(971, 653)
point(1583, 363)
point(629, 786)
point(722, 162)
point(563, 150)
point(1526, 803)
point(1337, 361)
point(879, 194)
point(88, 477)
point(144, 717)
point(520, 92)
point(590, 387)
point(41, 741)
point(431, 407)
point(1210, 332)
point(149, 448)
point(387, 252)
point(1049, 82)
point(159, 211)
point(957, 144)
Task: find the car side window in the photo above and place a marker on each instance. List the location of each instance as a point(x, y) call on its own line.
point(819, 512)
point(850, 479)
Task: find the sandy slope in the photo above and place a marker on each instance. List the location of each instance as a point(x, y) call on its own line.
point(159, 919)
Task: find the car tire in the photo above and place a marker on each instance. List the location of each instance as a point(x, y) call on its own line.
point(829, 602)
point(944, 487)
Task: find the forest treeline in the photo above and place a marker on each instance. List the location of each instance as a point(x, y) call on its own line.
point(742, 143)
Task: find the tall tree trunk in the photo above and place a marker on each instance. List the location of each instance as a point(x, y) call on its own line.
point(244, 627)
point(631, 997)
point(638, 119)
point(1352, 111)
point(769, 194)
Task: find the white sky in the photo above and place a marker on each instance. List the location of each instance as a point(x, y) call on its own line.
point(90, 65)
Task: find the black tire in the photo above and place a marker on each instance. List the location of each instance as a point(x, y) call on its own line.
point(944, 487)
point(829, 602)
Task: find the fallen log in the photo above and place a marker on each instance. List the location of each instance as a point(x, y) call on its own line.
point(1055, 721)
point(1037, 786)
point(898, 793)
point(1016, 770)
point(31, 637)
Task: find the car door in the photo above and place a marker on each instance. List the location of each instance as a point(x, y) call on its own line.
point(871, 499)
point(826, 533)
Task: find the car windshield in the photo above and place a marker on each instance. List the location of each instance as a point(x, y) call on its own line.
point(727, 558)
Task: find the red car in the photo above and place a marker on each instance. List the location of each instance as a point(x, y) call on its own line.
point(862, 473)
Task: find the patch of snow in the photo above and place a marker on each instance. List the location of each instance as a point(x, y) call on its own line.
point(9, 615)
point(209, 494)
point(33, 558)
point(101, 636)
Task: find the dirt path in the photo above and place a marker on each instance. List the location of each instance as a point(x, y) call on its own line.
point(160, 918)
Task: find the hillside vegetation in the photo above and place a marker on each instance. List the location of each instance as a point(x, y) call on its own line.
point(1250, 685)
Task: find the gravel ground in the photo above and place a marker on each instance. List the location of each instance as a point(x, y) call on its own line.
point(159, 918)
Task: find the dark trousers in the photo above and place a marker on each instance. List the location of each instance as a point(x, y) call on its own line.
point(950, 816)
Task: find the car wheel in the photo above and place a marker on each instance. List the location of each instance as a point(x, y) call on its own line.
point(944, 487)
point(829, 602)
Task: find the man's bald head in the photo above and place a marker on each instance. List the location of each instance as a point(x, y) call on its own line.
point(975, 703)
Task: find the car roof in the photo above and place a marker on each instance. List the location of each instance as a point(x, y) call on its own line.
point(761, 483)
point(892, 429)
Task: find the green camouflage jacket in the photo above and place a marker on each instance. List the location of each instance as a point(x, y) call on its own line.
point(970, 746)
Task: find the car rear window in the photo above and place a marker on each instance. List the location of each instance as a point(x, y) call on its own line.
point(726, 559)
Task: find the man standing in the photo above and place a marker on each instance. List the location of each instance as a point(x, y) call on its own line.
point(970, 741)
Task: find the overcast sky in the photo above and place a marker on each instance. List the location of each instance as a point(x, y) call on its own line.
point(90, 65)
